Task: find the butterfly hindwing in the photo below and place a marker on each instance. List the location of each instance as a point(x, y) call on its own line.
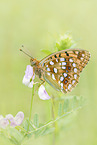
point(62, 69)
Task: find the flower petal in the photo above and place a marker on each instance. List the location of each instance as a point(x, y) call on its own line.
point(19, 118)
point(9, 117)
point(1, 117)
point(25, 81)
point(29, 72)
point(13, 121)
point(4, 123)
point(30, 85)
point(28, 77)
point(43, 94)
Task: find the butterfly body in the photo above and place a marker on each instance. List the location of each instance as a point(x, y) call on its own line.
point(61, 69)
point(37, 68)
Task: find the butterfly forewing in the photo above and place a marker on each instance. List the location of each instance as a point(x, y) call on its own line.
point(62, 69)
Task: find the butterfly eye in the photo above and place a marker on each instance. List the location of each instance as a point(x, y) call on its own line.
point(33, 62)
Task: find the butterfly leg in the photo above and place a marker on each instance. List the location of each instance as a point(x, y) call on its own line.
point(39, 85)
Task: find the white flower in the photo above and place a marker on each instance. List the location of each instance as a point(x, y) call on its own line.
point(28, 81)
point(29, 77)
point(43, 94)
point(19, 118)
point(10, 120)
point(3, 122)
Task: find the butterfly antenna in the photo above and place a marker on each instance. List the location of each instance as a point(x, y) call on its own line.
point(26, 53)
point(24, 48)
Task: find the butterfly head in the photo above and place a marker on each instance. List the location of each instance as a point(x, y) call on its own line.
point(34, 62)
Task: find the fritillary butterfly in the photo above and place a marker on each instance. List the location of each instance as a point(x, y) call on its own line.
point(61, 69)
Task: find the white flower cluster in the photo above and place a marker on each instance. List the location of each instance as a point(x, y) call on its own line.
point(28, 80)
point(11, 121)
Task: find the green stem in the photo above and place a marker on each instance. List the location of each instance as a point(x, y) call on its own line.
point(31, 107)
point(55, 123)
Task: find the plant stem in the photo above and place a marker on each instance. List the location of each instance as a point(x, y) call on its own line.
point(54, 114)
point(31, 107)
point(53, 121)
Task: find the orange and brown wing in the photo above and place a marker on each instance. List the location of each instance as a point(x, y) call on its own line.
point(62, 69)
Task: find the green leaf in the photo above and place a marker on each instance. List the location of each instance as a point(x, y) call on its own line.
point(39, 132)
point(47, 52)
point(48, 131)
point(15, 136)
point(65, 42)
point(25, 125)
point(36, 120)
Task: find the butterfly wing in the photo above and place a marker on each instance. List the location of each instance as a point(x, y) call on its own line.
point(62, 69)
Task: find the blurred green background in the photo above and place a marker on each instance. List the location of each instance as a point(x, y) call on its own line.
point(36, 24)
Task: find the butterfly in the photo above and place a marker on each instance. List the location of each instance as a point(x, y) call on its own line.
point(61, 69)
